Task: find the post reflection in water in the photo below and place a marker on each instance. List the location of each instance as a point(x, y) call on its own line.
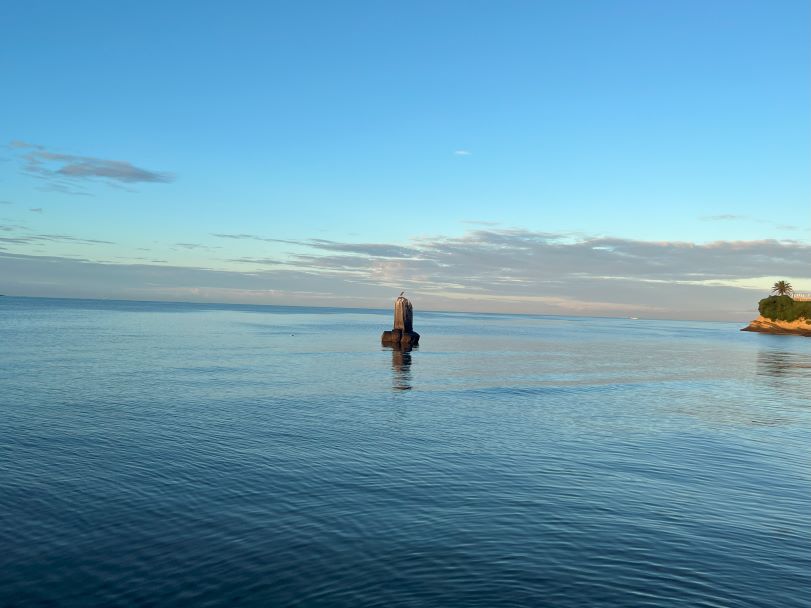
point(401, 366)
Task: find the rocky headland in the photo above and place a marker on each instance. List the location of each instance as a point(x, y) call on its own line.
point(800, 327)
point(782, 315)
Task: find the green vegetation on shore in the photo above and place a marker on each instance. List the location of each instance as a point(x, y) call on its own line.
point(783, 308)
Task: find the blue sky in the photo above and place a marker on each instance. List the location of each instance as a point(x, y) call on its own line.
point(509, 149)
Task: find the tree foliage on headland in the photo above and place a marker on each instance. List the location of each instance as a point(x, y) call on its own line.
point(783, 308)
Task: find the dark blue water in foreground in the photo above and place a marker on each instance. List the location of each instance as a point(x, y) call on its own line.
point(185, 455)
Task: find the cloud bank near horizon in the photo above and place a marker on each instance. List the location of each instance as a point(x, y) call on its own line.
point(505, 270)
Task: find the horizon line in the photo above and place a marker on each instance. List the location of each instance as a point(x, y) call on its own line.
point(355, 308)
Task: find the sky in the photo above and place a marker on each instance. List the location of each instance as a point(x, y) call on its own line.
point(623, 158)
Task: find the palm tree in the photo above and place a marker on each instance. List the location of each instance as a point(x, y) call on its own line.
point(782, 288)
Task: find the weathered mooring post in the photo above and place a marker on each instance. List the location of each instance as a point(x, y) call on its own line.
point(403, 334)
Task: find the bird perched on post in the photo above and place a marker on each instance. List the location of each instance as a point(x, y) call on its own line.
point(402, 313)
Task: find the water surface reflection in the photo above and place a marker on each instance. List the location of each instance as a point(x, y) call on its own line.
point(779, 363)
point(401, 366)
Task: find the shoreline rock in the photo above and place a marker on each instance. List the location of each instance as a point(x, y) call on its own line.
point(800, 327)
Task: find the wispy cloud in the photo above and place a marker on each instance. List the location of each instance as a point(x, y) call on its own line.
point(259, 261)
point(196, 246)
point(481, 223)
point(724, 217)
point(369, 249)
point(788, 227)
point(66, 172)
point(246, 237)
point(462, 153)
point(731, 217)
point(36, 210)
point(28, 239)
point(11, 227)
point(381, 250)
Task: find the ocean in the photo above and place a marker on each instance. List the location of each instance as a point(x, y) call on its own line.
point(169, 454)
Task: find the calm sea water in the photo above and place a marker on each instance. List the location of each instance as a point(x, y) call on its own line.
point(178, 454)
